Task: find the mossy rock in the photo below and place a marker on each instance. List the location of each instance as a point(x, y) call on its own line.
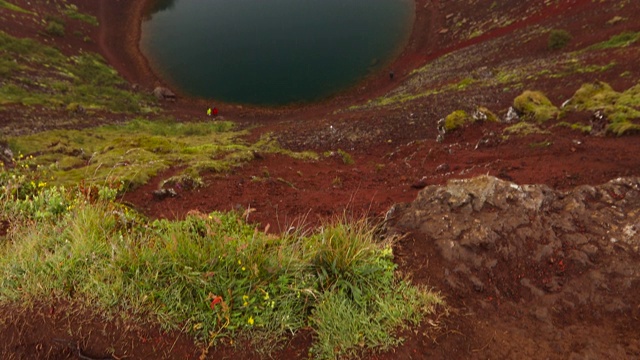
point(456, 119)
point(621, 109)
point(484, 114)
point(535, 106)
point(594, 96)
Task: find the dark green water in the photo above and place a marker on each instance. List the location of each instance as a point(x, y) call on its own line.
point(272, 52)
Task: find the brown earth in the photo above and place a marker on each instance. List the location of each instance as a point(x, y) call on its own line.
point(549, 282)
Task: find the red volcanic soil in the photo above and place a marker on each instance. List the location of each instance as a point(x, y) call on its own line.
point(395, 155)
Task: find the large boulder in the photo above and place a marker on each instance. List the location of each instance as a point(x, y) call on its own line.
point(163, 93)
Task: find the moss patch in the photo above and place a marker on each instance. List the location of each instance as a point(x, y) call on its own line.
point(42, 75)
point(456, 119)
point(621, 109)
point(535, 106)
point(12, 7)
point(523, 128)
point(140, 149)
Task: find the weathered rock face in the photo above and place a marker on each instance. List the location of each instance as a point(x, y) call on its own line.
point(539, 269)
point(518, 243)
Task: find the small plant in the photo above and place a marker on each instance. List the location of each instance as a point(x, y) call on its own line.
point(54, 29)
point(346, 157)
point(558, 39)
point(535, 106)
point(456, 119)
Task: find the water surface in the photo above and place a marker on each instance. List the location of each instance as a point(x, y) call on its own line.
point(272, 52)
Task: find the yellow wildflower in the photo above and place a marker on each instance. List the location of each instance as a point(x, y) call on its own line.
point(250, 321)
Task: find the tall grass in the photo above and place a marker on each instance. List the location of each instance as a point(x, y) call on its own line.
point(210, 275)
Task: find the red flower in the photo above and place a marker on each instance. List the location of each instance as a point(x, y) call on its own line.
point(216, 299)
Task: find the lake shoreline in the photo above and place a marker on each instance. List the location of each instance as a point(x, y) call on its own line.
point(120, 44)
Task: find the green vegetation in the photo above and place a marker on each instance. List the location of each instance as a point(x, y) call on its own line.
point(621, 109)
point(558, 39)
point(535, 106)
point(209, 275)
point(541, 144)
point(617, 41)
point(347, 159)
point(456, 119)
point(484, 114)
point(54, 28)
point(136, 151)
point(72, 12)
point(523, 128)
point(84, 79)
point(576, 126)
point(7, 5)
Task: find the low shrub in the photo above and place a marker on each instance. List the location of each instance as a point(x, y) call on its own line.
point(558, 39)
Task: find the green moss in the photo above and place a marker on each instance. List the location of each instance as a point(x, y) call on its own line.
point(347, 159)
point(621, 109)
point(484, 114)
point(12, 7)
point(456, 119)
point(542, 144)
point(535, 106)
point(72, 12)
point(594, 96)
point(621, 40)
point(464, 83)
point(54, 28)
point(141, 149)
point(44, 76)
point(575, 126)
point(523, 128)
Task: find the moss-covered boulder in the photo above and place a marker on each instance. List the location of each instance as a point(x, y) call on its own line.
point(593, 96)
point(535, 106)
point(456, 119)
point(622, 110)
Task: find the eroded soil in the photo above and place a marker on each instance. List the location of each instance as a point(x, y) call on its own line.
point(535, 273)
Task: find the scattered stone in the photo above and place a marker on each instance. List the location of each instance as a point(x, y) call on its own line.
point(599, 123)
point(163, 93)
point(512, 116)
point(442, 168)
point(164, 193)
point(420, 184)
